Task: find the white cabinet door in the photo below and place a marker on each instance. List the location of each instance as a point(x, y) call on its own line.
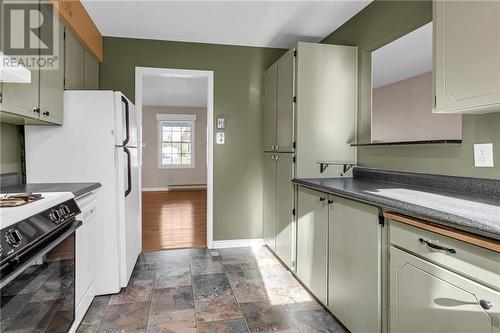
point(427, 298)
point(312, 241)
point(85, 257)
point(354, 277)
point(467, 56)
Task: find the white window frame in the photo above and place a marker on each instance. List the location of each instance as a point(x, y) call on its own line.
point(176, 117)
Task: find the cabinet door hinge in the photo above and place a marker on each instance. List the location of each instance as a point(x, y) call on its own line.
point(1, 95)
point(294, 53)
point(293, 159)
point(293, 212)
point(294, 99)
point(64, 34)
point(435, 101)
point(381, 220)
point(294, 144)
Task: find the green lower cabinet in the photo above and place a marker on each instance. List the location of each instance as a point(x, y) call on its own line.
point(427, 298)
point(284, 207)
point(270, 200)
point(312, 241)
point(354, 277)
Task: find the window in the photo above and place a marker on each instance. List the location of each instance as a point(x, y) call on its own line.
point(176, 145)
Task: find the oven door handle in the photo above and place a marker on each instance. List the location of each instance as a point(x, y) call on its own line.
point(29, 258)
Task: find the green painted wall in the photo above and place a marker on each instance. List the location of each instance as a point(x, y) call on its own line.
point(238, 86)
point(10, 148)
point(378, 24)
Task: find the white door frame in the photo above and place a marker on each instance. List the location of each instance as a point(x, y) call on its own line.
point(141, 72)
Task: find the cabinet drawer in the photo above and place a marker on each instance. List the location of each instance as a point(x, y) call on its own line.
point(476, 263)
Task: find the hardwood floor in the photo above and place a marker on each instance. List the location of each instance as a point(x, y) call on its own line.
point(174, 220)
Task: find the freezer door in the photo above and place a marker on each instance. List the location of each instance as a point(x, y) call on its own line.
point(129, 218)
point(126, 119)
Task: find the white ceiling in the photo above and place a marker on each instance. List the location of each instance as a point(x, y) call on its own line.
point(405, 57)
point(251, 23)
point(174, 91)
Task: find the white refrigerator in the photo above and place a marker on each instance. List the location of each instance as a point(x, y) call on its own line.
point(98, 142)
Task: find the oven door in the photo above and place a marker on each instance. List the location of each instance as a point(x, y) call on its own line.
point(38, 290)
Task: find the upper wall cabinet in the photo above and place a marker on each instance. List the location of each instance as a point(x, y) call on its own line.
point(38, 98)
point(74, 57)
point(41, 100)
point(90, 72)
point(467, 56)
point(82, 69)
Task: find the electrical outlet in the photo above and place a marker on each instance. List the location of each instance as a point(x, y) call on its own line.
point(483, 155)
point(220, 138)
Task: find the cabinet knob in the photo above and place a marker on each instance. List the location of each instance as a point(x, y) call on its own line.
point(485, 304)
point(322, 199)
point(46, 113)
point(330, 202)
point(37, 110)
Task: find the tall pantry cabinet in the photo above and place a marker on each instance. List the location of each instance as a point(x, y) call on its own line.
point(310, 101)
point(278, 140)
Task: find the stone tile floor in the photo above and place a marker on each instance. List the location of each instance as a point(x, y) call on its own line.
point(209, 291)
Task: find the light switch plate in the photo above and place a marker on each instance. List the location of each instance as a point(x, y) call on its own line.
point(483, 155)
point(220, 138)
point(221, 123)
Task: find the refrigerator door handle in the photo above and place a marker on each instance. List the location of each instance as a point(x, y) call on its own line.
point(127, 121)
point(129, 176)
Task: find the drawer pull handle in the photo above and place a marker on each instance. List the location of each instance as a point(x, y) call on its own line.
point(485, 304)
point(436, 247)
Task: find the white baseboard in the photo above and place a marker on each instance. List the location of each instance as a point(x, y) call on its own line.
point(154, 189)
point(174, 188)
point(223, 244)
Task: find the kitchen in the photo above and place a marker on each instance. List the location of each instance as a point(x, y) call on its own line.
point(319, 207)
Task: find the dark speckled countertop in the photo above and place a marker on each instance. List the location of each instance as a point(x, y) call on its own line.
point(78, 189)
point(468, 204)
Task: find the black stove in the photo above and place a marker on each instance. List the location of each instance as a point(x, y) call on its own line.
point(24, 235)
point(37, 271)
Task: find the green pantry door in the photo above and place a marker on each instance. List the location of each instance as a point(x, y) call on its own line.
point(278, 204)
point(270, 199)
point(284, 207)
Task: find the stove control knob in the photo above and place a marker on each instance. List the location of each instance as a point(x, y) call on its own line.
point(55, 216)
point(65, 211)
point(13, 237)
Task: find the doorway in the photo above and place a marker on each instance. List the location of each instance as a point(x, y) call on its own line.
point(175, 109)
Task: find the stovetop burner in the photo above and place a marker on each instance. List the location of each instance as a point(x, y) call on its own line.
point(18, 199)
